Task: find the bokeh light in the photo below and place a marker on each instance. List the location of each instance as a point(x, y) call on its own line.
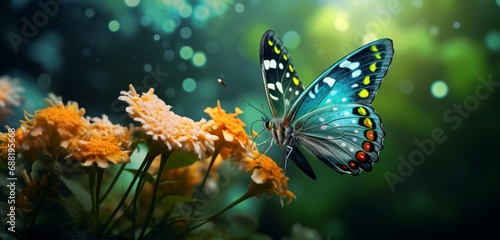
point(44, 80)
point(439, 89)
point(291, 39)
point(199, 59)
point(114, 26)
point(132, 3)
point(186, 52)
point(189, 85)
point(492, 40)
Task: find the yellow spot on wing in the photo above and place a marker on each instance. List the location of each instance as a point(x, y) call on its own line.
point(374, 48)
point(276, 50)
point(285, 57)
point(362, 111)
point(296, 81)
point(290, 67)
point(373, 67)
point(270, 42)
point(377, 56)
point(368, 123)
point(366, 81)
point(363, 93)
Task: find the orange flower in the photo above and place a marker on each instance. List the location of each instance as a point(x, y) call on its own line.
point(53, 128)
point(230, 130)
point(175, 131)
point(267, 177)
point(10, 96)
point(106, 142)
point(101, 150)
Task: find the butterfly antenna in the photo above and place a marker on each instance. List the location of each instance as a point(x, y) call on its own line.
point(240, 97)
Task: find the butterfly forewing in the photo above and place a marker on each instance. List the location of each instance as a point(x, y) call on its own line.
point(354, 79)
point(281, 81)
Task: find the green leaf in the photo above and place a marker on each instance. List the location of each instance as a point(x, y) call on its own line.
point(81, 193)
point(180, 159)
point(148, 177)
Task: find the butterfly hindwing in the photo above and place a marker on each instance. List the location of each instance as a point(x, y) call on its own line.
point(281, 81)
point(346, 137)
point(354, 79)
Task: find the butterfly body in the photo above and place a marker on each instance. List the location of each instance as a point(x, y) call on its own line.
point(332, 118)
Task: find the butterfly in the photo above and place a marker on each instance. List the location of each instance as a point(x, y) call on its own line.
point(332, 118)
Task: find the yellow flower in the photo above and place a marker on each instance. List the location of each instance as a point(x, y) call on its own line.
point(52, 127)
point(176, 132)
point(267, 177)
point(104, 127)
point(230, 130)
point(10, 96)
point(101, 150)
point(105, 143)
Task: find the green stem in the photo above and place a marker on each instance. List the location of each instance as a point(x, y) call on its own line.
point(164, 158)
point(92, 179)
point(127, 192)
point(213, 215)
point(115, 179)
point(36, 210)
point(138, 189)
point(202, 185)
point(100, 173)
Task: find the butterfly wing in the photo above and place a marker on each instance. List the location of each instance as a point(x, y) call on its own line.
point(333, 119)
point(346, 137)
point(353, 79)
point(281, 81)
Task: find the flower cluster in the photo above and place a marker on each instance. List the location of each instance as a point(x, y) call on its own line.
point(157, 121)
point(182, 160)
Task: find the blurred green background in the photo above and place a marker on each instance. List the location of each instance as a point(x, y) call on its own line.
point(438, 173)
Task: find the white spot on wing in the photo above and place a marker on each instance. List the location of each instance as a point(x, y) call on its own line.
point(272, 63)
point(330, 81)
point(351, 149)
point(353, 65)
point(356, 131)
point(316, 88)
point(343, 144)
point(323, 127)
point(273, 97)
point(290, 89)
point(271, 86)
point(355, 85)
point(311, 95)
point(328, 100)
point(346, 113)
point(287, 74)
point(280, 65)
point(344, 99)
point(278, 85)
point(266, 64)
point(296, 92)
point(356, 73)
point(321, 119)
point(354, 139)
point(345, 63)
point(334, 109)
